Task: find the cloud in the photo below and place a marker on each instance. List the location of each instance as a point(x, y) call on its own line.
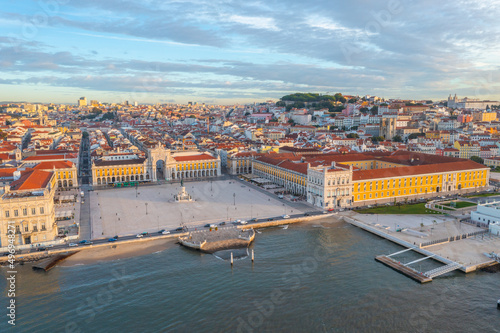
point(412, 49)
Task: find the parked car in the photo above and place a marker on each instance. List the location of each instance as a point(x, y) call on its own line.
point(161, 231)
point(252, 220)
point(112, 240)
point(325, 212)
point(41, 248)
point(82, 241)
point(73, 244)
point(222, 223)
point(179, 229)
point(145, 233)
point(243, 222)
point(139, 235)
point(285, 216)
point(88, 243)
point(331, 210)
point(50, 245)
point(270, 219)
point(165, 232)
point(307, 214)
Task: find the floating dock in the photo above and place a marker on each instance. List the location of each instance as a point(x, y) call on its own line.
point(399, 267)
point(217, 239)
point(49, 263)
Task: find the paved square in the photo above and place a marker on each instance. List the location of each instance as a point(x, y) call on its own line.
point(119, 212)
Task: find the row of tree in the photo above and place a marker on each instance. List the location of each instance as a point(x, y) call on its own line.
point(311, 97)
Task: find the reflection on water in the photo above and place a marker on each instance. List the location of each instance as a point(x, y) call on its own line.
point(226, 254)
point(304, 279)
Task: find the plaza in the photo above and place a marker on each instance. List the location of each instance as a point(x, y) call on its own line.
point(126, 211)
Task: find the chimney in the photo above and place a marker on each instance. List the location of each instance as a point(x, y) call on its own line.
point(17, 174)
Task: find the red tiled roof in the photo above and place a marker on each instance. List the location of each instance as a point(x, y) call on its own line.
point(46, 157)
point(194, 158)
point(32, 180)
point(416, 170)
point(54, 164)
point(7, 172)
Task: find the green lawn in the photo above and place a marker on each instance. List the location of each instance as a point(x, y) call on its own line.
point(443, 207)
point(461, 204)
point(403, 209)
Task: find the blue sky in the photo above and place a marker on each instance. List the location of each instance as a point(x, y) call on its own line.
point(243, 51)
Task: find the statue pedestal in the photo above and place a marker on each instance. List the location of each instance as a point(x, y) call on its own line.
point(183, 196)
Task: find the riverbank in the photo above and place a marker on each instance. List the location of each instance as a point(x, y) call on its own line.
point(140, 246)
point(118, 251)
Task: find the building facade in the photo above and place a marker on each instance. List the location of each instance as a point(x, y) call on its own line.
point(340, 181)
point(27, 208)
point(107, 172)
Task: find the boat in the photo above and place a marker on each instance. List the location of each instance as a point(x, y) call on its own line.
point(285, 226)
point(498, 304)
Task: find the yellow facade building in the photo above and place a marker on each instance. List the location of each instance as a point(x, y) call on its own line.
point(340, 181)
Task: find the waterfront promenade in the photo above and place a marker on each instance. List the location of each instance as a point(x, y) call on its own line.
point(418, 231)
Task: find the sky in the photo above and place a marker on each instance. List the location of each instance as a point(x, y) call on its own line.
point(225, 52)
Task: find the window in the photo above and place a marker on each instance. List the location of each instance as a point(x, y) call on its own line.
point(26, 228)
point(18, 230)
point(43, 227)
point(25, 211)
point(33, 211)
point(35, 227)
point(7, 213)
point(16, 213)
point(42, 210)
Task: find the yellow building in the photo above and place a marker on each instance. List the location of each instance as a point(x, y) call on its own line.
point(338, 181)
point(107, 172)
point(291, 175)
point(195, 166)
point(66, 172)
point(484, 116)
point(27, 209)
point(467, 149)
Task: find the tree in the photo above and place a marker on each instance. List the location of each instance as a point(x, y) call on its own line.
point(364, 110)
point(353, 136)
point(376, 139)
point(415, 135)
point(397, 138)
point(374, 110)
point(477, 159)
point(291, 121)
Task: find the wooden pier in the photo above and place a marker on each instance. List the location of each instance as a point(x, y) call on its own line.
point(49, 263)
point(408, 271)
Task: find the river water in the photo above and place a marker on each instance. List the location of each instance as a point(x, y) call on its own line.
point(314, 277)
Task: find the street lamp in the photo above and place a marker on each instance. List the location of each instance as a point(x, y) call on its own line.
point(234, 199)
point(146, 208)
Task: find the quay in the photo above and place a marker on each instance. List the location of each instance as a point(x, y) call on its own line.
point(50, 262)
point(217, 239)
point(408, 271)
point(449, 265)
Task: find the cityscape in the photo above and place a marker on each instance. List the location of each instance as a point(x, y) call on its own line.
point(222, 187)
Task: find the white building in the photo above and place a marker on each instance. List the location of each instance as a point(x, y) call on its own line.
point(488, 213)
